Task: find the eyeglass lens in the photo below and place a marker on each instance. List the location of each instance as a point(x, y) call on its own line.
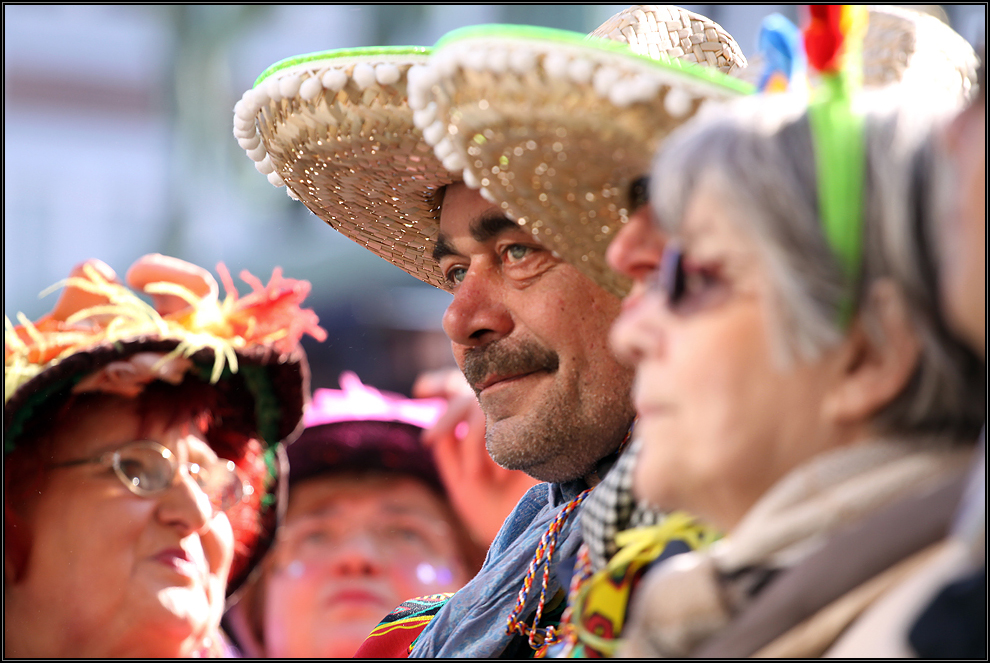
point(639, 193)
point(670, 276)
point(150, 468)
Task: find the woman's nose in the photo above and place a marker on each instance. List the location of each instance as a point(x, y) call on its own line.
point(185, 504)
point(357, 555)
point(638, 332)
point(636, 249)
point(478, 315)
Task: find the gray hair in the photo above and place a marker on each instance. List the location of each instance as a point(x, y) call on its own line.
point(758, 155)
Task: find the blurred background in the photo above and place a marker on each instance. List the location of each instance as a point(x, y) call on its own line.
point(118, 142)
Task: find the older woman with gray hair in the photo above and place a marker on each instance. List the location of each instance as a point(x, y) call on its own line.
point(796, 386)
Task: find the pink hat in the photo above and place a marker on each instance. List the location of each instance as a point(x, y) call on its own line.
point(355, 401)
point(359, 428)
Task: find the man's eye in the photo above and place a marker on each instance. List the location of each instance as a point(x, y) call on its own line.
point(456, 274)
point(517, 252)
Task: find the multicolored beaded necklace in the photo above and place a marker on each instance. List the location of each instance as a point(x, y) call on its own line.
point(541, 638)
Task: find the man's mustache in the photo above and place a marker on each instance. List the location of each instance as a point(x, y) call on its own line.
point(500, 358)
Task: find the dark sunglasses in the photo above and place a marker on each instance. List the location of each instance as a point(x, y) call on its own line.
point(670, 277)
point(639, 193)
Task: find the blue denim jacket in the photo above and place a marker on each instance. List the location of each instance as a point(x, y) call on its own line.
point(473, 622)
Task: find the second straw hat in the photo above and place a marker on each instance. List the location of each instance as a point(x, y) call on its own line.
point(556, 128)
point(336, 129)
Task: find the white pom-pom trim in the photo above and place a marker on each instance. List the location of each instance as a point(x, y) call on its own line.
point(420, 78)
point(623, 93)
point(275, 179)
point(387, 74)
point(256, 98)
point(445, 63)
point(522, 60)
point(475, 59)
point(433, 133)
point(677, 102)
point(425, 117)
point(310, 88)
point(335, 79)
point(443, 148)
point(245, 133)
point(453, 162)
point(273, 89)
point(471, 180)
point(257, 153)
point(555, 65)
point(363, 75)
point(580, 70)
point(291, 194)
point(249, 143)
point(603, 80)
point(498, 60)
point(265, 166)
point(288, 87)
point(240, 110)
point(488, 196)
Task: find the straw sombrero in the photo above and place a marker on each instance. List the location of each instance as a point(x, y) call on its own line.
point(556, 128)
point(337, 130)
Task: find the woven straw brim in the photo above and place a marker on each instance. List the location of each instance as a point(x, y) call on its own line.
point(555, 131)
point(916, 49)
point(666, 31)
point(339, 133)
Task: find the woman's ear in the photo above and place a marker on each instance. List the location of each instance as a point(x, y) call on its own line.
point(877, 362)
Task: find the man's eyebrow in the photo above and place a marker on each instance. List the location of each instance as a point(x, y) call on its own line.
point(483, 229)
point(443, 249)
point(491, 225)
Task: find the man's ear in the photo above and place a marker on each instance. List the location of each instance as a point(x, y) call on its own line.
point(875, 365)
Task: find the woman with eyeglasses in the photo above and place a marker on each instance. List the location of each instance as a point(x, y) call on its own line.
point(141, 457)
point(369, 526)
point(795, 378)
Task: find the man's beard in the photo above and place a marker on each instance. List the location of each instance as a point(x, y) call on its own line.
point(563, 435)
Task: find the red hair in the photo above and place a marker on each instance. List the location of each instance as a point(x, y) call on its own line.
point(220, 417)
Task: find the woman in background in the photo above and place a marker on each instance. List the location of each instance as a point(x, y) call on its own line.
point(141, 457)
point(369, 525)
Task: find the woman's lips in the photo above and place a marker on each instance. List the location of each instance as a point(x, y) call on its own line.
point(179, 561)
point(355, 596)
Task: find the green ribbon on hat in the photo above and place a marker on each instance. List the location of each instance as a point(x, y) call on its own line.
point(838, 135)
point(840, 154)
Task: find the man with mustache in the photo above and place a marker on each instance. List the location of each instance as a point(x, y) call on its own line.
point(528, 329)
